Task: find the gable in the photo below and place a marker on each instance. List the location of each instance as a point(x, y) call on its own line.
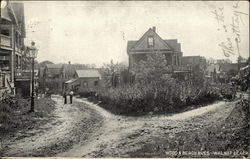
point(142, 44)
point(53, 70)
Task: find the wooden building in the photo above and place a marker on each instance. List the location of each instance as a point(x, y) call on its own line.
point(87, 80)
point(150, 43)
point(53, 78)
point(12, 34)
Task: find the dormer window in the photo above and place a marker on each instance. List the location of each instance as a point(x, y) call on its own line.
point(150, 41)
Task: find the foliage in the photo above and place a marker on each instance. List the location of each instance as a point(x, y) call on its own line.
point(8, 103)
point(172, 97)
point(197, 75)
point(152, 71)
point(44, 63)
point(155, 90)
point(111, 73)
point(232, 72)
point(14, 113)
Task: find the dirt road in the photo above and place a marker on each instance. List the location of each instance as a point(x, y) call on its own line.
point(71, 124)
point(87, 130)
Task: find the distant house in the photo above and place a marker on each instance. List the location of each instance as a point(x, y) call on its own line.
point(223, 71)
point(53, 77)
point(192, 61)
point(223, 61)
point(87, 80)
point(227, 67)
point(150, 43)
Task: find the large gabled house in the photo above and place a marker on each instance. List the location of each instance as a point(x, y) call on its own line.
point(150, 43)
point(12, 34)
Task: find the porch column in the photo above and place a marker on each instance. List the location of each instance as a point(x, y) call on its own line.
point(13, 63)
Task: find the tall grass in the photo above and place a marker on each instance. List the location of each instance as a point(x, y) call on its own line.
point(171, 97)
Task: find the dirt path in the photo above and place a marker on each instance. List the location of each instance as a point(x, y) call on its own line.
point(121, 135)
point(59, 134)
point(87, 130)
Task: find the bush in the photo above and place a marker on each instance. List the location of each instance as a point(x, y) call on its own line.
point(7, 104)
point(172, 97)
point(156, 91)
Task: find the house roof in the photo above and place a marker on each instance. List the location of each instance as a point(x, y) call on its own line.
point(54, 69)
point(88, 73)
point(168, 44)
point(5, 13)
point(71, 81)
point(174, 44)
point(70, 69)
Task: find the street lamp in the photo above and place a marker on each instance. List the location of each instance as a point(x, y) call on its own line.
point(32, 53)
point(3, 3)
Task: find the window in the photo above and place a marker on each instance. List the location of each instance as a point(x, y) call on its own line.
point(5, 32)
point(150, 41)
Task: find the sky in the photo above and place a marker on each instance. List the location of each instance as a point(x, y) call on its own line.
point(96, 32)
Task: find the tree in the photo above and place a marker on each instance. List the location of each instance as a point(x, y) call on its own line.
point(198, 75)
point(153, 70)
point(44, 63)
point(111, 72)
point(153, 73)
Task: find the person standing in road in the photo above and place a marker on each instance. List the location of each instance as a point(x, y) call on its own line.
point(65, 97)
point(71, 93)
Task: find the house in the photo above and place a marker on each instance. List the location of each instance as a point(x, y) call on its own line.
point(57, 77)
point(12, 34)
point(223, 61)
point(150, 43)
point(228, 67)
point(223, 71)
point(192, 61)
point(53, 78)
point(87, 80)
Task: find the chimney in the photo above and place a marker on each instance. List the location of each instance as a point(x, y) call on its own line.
point(154, 28)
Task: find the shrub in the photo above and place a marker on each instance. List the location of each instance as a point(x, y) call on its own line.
point(155, 90)
point(171, 97)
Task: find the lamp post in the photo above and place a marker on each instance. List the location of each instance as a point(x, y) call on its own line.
point(32, 53)
point(3, 4)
